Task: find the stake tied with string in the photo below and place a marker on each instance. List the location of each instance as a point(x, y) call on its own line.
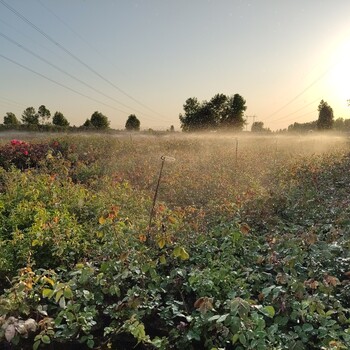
point(151, 215)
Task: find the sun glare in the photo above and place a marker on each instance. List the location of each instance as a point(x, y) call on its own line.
point(340, 72)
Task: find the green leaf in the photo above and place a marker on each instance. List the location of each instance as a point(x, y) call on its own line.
point(184, 255)
point(62, 303)
point(268, 311)
point(47, 293)
point(242, 339)
point(267, 291)
point(162, 259)
point(214, 318)
point(90, 343)
point(180, 252)
point(68, 293)
point(222, 318)
point(46, 339)
point(161, 242)
point(307, 327)
point(58, 295)
point(36, 345)
point(234, 338)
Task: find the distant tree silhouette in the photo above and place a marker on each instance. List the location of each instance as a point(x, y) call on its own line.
point(132, 123)
point(234, 119)
point(325, 116)
point(11, 119)
point(302, 127)
point(59, 119)
point(221, 111)
point(257, 127)
point(43, 114)
point(88, 123)
point(29, 117)
point(99, 121)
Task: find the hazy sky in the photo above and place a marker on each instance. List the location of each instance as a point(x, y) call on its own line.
point(147, 57)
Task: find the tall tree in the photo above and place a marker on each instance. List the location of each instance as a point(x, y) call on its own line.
point(220, 111)
point(11, 119)
point(325, 116)
point(219, 108)
point(189, 119)
point(59, 119)
point(234, 120)
point(29, 117)
point(99, 121)
point(43, 114)
point(132, 123)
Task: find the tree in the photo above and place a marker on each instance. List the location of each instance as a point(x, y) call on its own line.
point(234, 118)
point(99, 121)
point(221, 111)
point(87, 123)
point(132, 123)
point(302, 127)
point(219, 107)
point(325, 116)
point(44, 114)
point(59, 119)
point(189, 120)
point(257, 127)
point(202, 116)
point(29, 117)
point(339, 124)
point(11, 119)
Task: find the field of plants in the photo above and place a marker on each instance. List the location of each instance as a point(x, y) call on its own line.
point(173, 241)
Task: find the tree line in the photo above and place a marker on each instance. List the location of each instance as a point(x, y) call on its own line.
point(42, 117)
point(324, 122)
point(221, 112)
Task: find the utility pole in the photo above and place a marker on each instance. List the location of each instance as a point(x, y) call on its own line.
point(250, 116)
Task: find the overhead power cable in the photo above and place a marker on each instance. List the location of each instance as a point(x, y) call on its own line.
point(68, 52)
point(60, 84)
point(65, 72)
point(11, 102)
point(302, 92)
point(74, 31)
point(298, 110)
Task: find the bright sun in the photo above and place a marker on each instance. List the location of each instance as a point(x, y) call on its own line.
point(339, 76)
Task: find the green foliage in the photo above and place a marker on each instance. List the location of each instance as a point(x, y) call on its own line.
point(11, 119)
point(254, 257)
point(30, 117)
point(325, 117)
point(220, 112)
point(99, 121)
point(43, 114)
point(59, 119)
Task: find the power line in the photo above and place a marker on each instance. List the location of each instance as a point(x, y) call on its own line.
point(73, 31)
point(68, 52)
point(60, 84)
point(298, 110)
point(64, 72)
point(302, 92)
point(11, 102)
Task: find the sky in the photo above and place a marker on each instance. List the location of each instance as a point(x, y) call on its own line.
point(147, 57)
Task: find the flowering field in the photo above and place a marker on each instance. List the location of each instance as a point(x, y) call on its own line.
point(227, 242)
